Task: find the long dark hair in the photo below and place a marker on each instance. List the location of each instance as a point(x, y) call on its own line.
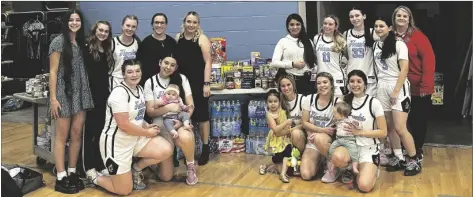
point(368, 36)
point(389, 44)
point(175, 78)
point(309, 55)
point(93, 47)
point(66, 54)
point(349, 97)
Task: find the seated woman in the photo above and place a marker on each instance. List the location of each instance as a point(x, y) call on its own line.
point(127, 135)
point(317, 118)
point(368, 111)
point(155, 88)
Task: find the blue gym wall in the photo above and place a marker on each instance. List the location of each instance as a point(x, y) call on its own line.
point(248, 26)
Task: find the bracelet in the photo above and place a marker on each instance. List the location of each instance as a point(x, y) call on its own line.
point(206, 83)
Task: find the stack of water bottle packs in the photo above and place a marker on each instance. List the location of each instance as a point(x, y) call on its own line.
point(226, 136)
point(258, 128)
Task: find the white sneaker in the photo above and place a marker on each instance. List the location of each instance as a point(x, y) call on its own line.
point(330, 176)
point(92, 175)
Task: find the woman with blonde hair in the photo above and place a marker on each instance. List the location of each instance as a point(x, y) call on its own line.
point(98, 59)
point(195, 62)
point(421, 73)
point(329, 49)
point(124, 48)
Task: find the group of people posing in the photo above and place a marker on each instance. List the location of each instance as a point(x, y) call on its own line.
point(131, 99)
point(343, 95)
point(138, 99)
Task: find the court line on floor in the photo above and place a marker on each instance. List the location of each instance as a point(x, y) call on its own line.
point(449, 145)
point(268, 189)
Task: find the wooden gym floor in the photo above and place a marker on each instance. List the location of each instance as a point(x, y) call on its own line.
point(446, 172)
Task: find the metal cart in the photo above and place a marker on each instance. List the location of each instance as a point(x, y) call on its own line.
point(43, 155)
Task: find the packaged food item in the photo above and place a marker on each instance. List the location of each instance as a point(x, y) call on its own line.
point(219, 46)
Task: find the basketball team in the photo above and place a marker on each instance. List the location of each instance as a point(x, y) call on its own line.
point(348, 102)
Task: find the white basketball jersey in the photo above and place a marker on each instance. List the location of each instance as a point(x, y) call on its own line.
point(321, 116)
point(329, 61)
point(136, 110)
point(121, 53)
point(362, 113)
point(295, 110)
point(389, 69)
point(360, 57)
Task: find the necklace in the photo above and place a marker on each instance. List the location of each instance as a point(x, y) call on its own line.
point(160, 41)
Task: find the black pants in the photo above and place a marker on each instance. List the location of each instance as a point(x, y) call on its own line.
point(417, 121)
point(94, 123)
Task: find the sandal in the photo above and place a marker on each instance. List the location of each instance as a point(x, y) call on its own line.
point(262, 169)
point(284, 178)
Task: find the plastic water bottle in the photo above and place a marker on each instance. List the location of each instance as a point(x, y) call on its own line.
point(218, 109)
point(238, 109)
point(232, 109)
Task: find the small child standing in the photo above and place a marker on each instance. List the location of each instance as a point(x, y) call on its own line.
point(279, 137)
point(171, 95)
point(342, 118)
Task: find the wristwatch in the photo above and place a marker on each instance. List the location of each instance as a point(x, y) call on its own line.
point(206, 83)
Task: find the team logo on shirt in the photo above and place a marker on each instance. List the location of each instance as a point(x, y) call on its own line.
point(127, 55)
point(360, 117)
point(141, 107)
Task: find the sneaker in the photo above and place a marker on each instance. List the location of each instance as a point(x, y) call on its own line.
point(420, 155)
point(262, 169)
point(284, 178)
point(330, 176)
point(91, 175)
point(204, 157)
point(66, 186)
point(138, 177)
point(191, 175)
point(75, 179)
point(347, 177)
point(384, 159)
point(395, 164)
point(413, 167)
point(104, 172)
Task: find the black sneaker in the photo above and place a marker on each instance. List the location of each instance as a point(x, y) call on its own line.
point(420, 155)
point(75, 179)
point(413, 167)
point(66, 186)
point(347, 177)
point(395, 164)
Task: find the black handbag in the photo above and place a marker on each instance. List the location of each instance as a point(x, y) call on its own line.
point(27, 179)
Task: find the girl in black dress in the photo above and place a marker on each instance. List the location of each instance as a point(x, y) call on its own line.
point(98, 59)
point(195, 62)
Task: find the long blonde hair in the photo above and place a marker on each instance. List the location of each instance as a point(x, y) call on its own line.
point(199, 29)
point(411, 26)
point(337, 36)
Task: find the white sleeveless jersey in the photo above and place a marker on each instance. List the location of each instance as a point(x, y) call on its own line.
point(360, 57)
point(295, 109)
point(155, 88)
point(389, 69)
point(320, 116)
point(121, 53)
point(329, 61)
point(361, 112)
point(122, 99)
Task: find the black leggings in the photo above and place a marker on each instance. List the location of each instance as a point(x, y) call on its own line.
point(417, 120)
point(94, 123)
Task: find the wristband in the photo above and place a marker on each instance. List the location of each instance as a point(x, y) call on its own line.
point(206, 83)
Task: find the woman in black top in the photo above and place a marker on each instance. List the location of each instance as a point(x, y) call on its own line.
point(155, 47)
point(98, 60)
point(195, 62)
